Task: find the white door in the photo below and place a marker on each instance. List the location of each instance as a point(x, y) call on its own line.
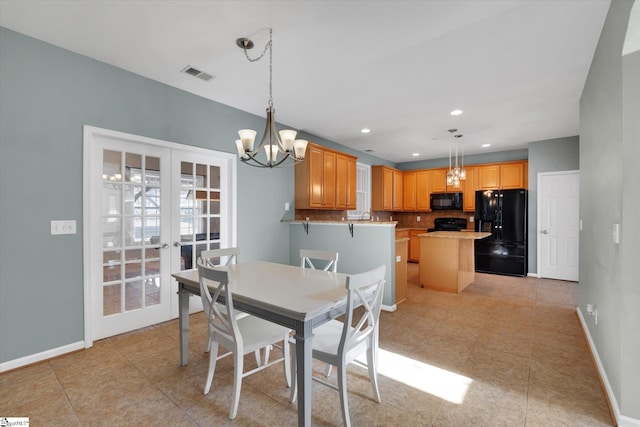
point(149, 207)
point(558, 225)
point(202, 218)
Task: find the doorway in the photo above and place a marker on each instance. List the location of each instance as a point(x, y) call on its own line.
point(150, 207)
point(558, 225)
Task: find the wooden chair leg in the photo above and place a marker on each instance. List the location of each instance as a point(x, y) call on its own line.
point(286, 353)
point(294, 378)
point(373, 374)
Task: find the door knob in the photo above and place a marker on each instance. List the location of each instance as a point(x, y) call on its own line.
point(177, 244)
point(544, 232)
point(165, 246)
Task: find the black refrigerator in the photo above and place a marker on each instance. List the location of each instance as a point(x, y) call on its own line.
point(503, 213)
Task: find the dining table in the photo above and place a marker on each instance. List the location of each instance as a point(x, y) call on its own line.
point(298, 298)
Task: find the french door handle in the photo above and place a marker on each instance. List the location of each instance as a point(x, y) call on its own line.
point(177, 244)
point(165, 246)
point(544, 232)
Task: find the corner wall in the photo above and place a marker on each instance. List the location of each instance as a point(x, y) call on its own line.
point(561, 154)
point(608, 158)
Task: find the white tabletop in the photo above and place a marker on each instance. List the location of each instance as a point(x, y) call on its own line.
point(283, 289)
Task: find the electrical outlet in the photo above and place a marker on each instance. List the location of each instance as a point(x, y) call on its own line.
point(616, 233)
point(286, 206)
point(418, 218)
point(580, 224)
point(63, 227)
point(398, 258)
point(471, 219)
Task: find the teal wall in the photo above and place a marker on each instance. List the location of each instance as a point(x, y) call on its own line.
point(371, 246)
point(47, 95)
point(552, 155)
point(473, 159)
point(609, 155)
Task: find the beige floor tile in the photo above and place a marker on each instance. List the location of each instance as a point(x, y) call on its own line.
point(514, 345)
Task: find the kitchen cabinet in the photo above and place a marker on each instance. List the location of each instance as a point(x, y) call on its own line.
point(469, 187)
point(423, 190)
point(324, 180)
point(504, 176)
point(409, 191)
point(512, 175)
point(345, 182)
point(414, 245)
point(438, 180)
point(401, 269)
point(386, 189)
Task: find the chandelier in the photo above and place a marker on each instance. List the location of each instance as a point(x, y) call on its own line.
point(278, 146)
point(456, 173)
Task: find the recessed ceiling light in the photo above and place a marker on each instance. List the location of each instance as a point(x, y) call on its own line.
point(365, 130)
point(486, 145)
point(415, 154)
point(456, 112)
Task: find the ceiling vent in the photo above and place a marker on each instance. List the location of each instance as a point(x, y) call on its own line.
point(369, 151)
point(197, 73)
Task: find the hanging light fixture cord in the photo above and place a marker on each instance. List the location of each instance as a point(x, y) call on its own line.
point(283, 142)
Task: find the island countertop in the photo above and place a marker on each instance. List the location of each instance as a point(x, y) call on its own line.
point(470, 235)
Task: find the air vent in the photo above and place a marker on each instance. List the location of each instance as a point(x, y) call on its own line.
point(197, 73)
point(369, 151)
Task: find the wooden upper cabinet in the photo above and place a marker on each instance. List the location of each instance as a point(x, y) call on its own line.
point(489, 177)
point(342, 185)
point(409, 190)
point(512, 175)
point(423, 190)
point(352, 196)
point(438, 180)
point(503, 175)
point(398, 190)
point(345, 182)
point(323, 180)
point(386, 188)
point(469, 187)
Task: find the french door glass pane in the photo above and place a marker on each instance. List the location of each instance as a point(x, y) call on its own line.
point(199, 211)
point(131, 231)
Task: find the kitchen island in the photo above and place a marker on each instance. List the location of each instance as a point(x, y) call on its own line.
point(447, 259)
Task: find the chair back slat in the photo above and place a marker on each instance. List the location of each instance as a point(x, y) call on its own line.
point(218, 257)
point(307, 256)
point(365, 290)
point(221, 316)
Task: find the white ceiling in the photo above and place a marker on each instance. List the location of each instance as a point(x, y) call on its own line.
point(517, 68)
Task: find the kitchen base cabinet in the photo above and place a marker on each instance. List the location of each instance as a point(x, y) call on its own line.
point(401, 269)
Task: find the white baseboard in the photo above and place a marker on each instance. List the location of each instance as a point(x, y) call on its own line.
point(39, 357)
point(389, 307)
point(622, 420)
point(532, 274)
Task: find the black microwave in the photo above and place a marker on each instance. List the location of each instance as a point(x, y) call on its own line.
point(446, 201)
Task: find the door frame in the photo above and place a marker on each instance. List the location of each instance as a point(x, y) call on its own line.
point(539, 213)
point(89, 199)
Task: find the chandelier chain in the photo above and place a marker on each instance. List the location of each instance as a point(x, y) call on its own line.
point(268, 46)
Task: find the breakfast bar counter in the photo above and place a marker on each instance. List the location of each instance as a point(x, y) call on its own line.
point(447, 259)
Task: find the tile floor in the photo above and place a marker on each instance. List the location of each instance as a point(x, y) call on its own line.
point(505, 352)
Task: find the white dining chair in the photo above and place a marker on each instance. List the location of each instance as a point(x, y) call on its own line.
point(227, 256)
point(239, 336)
point(339, 343)
point(330, 258)
point(307, 256)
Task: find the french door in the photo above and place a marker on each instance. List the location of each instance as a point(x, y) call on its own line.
point(150, 207)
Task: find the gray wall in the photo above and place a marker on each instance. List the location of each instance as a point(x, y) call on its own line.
point(552, 155)
point(608, 156)
point(48, 94)
point(370, 247)
point(473, 159)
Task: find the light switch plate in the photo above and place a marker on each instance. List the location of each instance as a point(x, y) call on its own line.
point(63, 227)
point(398, 258)
point(616, 233)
